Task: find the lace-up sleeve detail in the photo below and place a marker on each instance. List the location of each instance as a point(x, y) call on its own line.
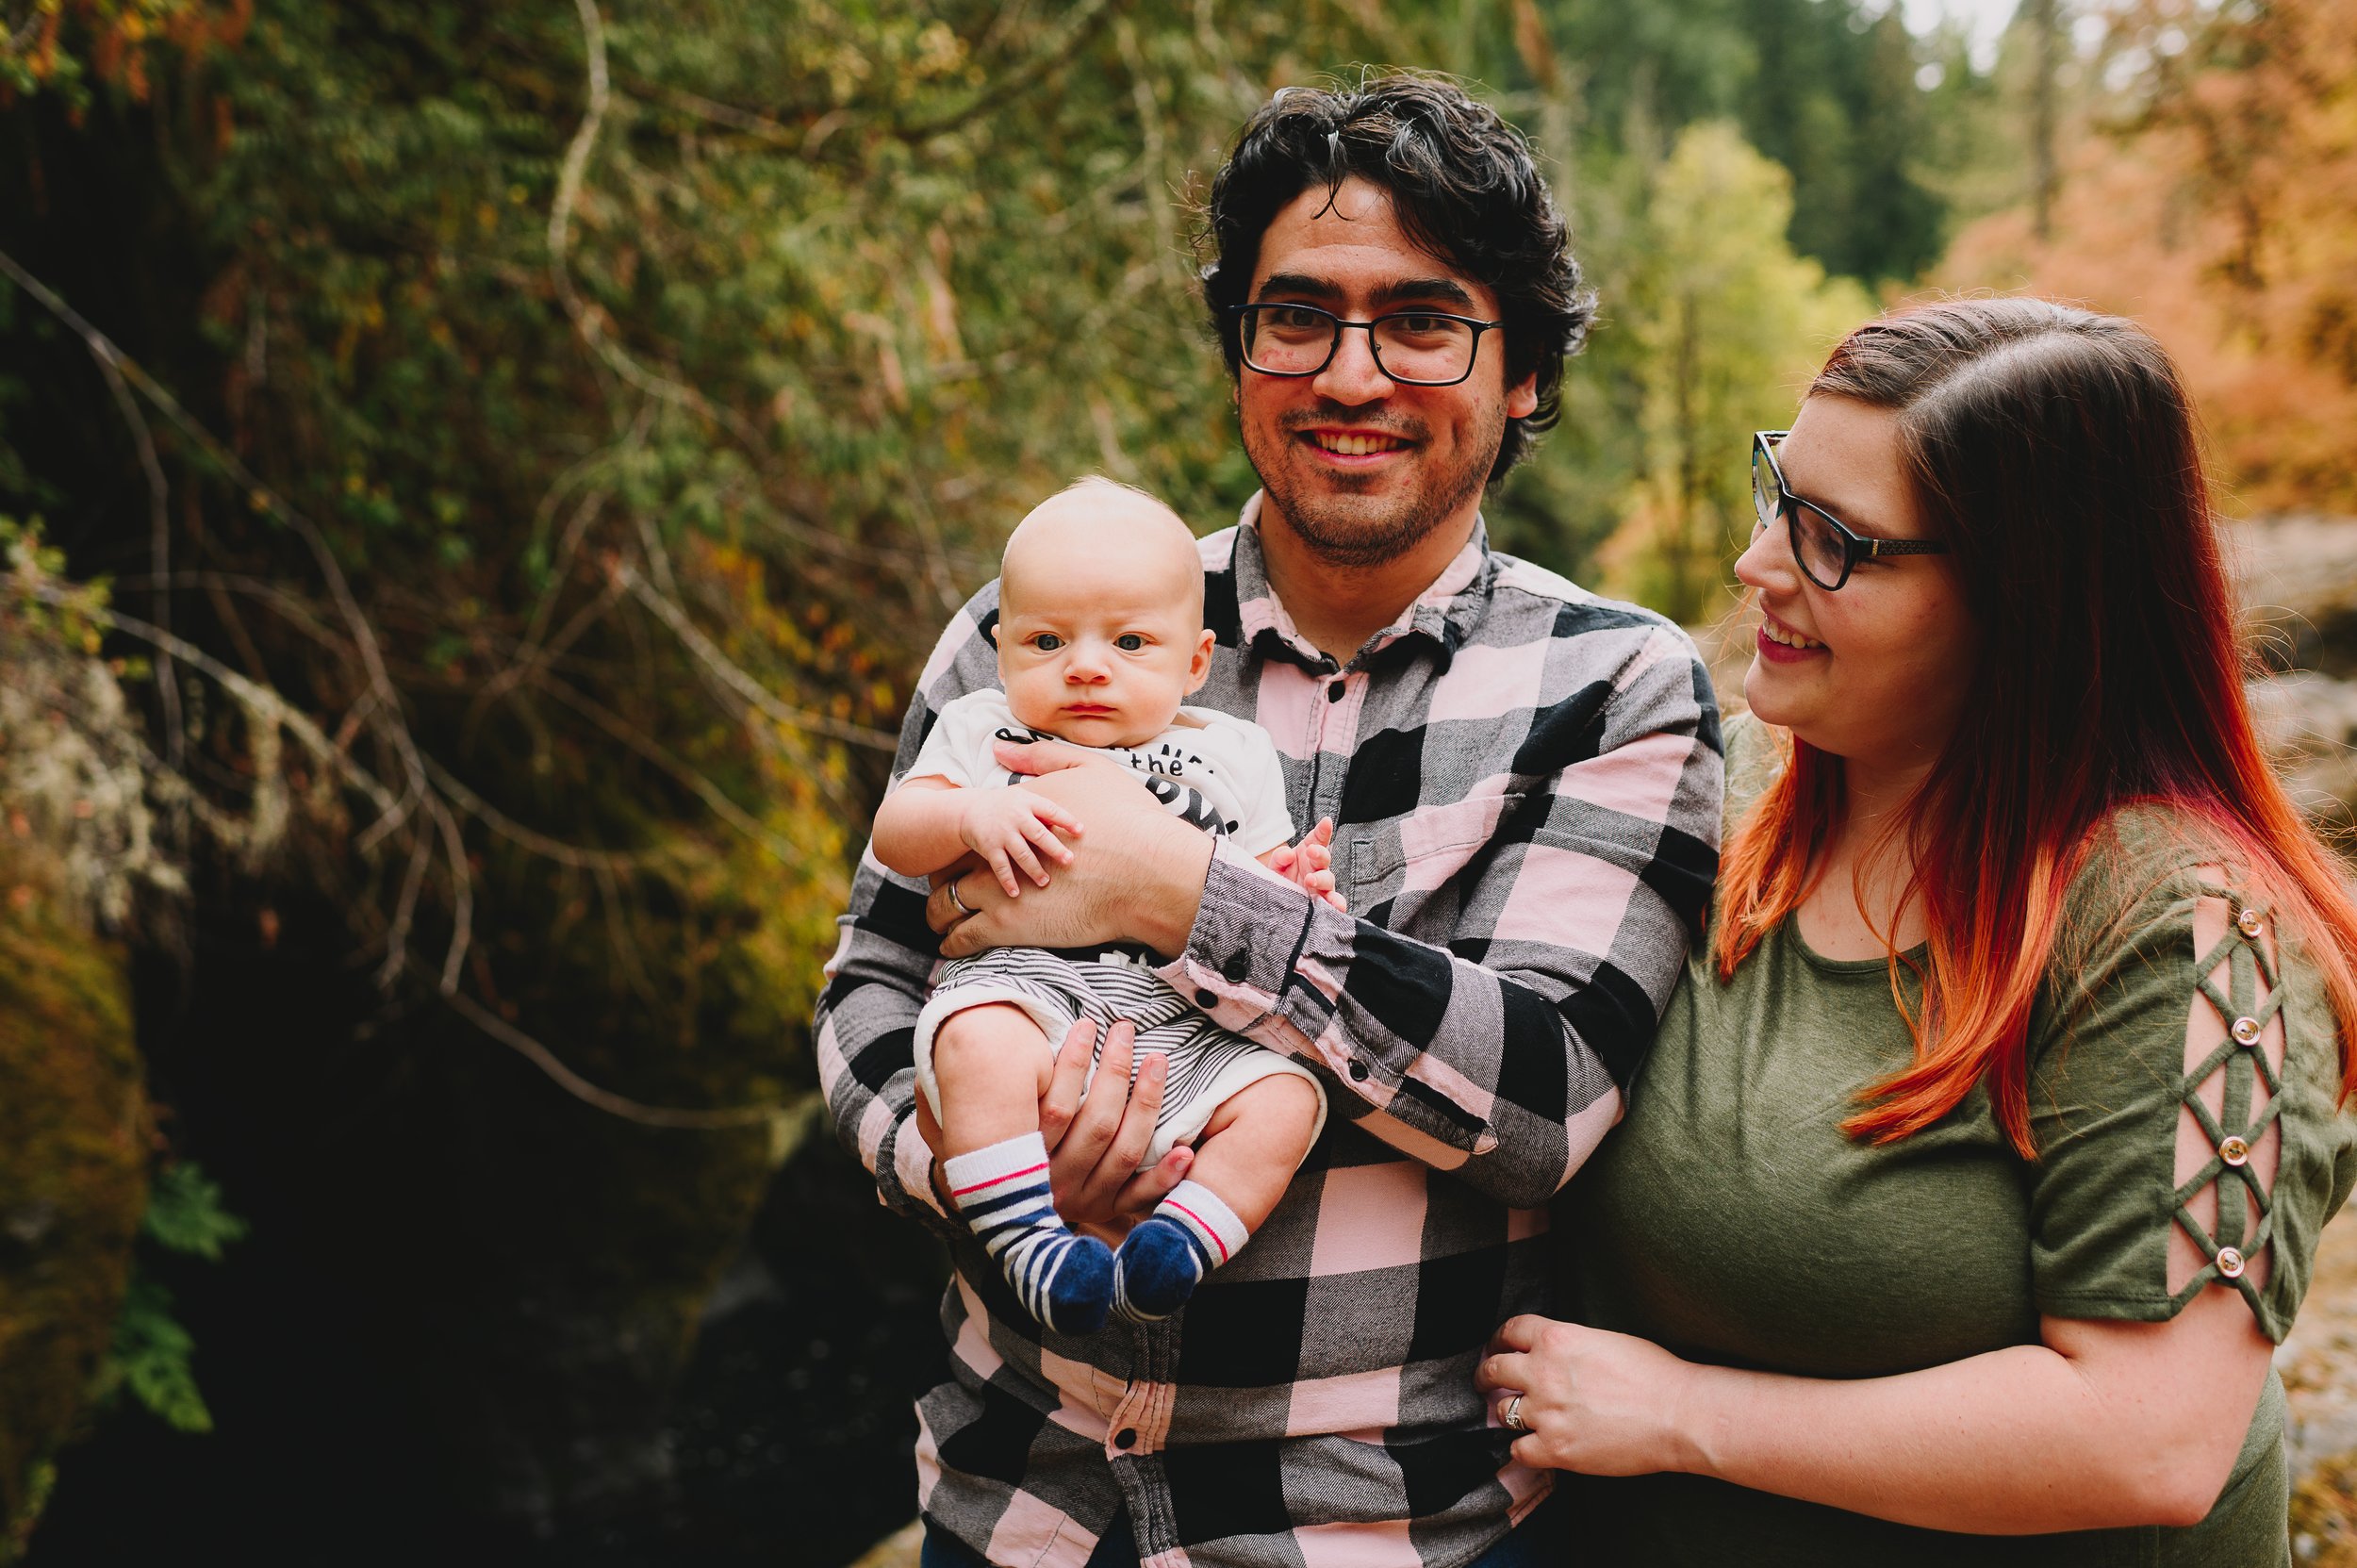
point(2229, 1141)
point(2184, 1098)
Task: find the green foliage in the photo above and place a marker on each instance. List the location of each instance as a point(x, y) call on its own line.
point(185, 1214)
point(42, 601)
point(17, 1533)
point(154, 1357)
point(65, 47)
point(152, 1354)
point(1726, 324)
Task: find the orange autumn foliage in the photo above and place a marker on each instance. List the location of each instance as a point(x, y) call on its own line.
point(2221, 212)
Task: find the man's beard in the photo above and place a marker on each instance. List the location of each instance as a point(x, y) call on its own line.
point(1370, 527)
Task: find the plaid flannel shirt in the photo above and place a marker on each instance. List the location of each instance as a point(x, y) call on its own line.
point(1525, 779)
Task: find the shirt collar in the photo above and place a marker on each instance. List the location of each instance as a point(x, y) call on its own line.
point(1444, 616)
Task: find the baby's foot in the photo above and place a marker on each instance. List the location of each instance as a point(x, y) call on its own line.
point(1080, 1286)
point(1156, 1270)
point(1191, 1231)
point(1063, 1280)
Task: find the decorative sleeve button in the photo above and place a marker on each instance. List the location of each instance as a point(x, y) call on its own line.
point(2234, 1151)
point(2251, 923)
point(2230, 1263)
point(2246, 1030)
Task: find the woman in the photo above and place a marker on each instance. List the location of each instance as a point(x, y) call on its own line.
point(1983, 1152)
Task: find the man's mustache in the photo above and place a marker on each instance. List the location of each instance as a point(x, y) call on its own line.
point(1333, 414)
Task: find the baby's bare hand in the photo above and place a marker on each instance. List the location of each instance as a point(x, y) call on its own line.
point(1014, 830)
point(1310, 864)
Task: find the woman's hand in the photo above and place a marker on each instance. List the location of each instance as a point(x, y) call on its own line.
point(1600, 1403)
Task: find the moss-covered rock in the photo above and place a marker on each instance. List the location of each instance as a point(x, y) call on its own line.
point(73, 1171)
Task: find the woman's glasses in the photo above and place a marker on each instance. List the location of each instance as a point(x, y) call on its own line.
point(1826, 547)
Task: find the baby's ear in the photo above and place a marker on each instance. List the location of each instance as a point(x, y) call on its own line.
point(1199, 667)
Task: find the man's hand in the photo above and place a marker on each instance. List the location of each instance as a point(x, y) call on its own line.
point(1139, 878)
point(1013, 830)
point(1095, 1138)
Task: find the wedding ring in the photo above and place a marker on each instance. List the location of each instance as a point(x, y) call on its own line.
point(964, 908)
point(1512, 1414)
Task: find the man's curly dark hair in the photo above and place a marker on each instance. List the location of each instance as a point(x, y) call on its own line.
point(1462, 186)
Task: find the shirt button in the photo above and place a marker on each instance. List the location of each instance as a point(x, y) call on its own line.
point(2249, 923)
point(1125, 1438)
point(1334, 693)
point(1357, 1072)
point(2230, 1263)
point(2234, 1151)
point(2246, 1030)
point(1205, 999)
point(1238, 965)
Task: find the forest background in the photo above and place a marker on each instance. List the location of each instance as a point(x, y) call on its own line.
point(478, 481)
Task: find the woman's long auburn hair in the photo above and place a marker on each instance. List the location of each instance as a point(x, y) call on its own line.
point(2056, 452)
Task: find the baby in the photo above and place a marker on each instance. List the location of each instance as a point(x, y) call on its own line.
point(1101, 640)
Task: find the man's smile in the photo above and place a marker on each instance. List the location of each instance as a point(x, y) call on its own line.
point(1355, 443)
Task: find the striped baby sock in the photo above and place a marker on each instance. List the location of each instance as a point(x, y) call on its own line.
point(1191, 1233)
point(1002, 1192)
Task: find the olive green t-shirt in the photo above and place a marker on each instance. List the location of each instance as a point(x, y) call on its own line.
point(1730, 1220)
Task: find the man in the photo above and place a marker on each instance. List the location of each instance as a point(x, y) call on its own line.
point(1526, 785)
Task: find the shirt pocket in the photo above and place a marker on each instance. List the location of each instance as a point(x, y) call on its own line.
point(1404, 860)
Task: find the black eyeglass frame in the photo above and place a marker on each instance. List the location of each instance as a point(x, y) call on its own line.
point(1856, 546)
point(1473, 355)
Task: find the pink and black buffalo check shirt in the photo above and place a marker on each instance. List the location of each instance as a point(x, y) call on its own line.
point(1525, 783)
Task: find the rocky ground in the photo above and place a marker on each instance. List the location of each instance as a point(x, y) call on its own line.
point(2319, 1366)
point(2298, 576)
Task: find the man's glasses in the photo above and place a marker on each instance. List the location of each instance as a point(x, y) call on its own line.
point(1415, 348)
point(1826, 547)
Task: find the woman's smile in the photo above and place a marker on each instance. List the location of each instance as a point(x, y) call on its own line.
point(1781, 644)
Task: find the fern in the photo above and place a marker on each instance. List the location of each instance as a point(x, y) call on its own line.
point(154, 1354)
point(183, 1213)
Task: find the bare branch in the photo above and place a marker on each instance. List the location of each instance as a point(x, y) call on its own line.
point(540, 844)
point(404, 909)
point(704, 789)
point(257, 698)
point(159, 549)
point(1078, 29)
point(753, 691)
point(607, 1099)
point(264, 499)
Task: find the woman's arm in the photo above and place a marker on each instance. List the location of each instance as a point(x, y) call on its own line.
point(2104, 1424)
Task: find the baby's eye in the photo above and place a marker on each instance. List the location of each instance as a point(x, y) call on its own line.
point(1128, 642)
point(1047, 642)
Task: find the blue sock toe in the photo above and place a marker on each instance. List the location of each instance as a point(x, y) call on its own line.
point(1081, 1293)
point(1159, 1268)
